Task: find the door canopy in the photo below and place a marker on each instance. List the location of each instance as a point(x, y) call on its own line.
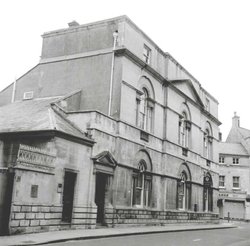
point(104, 163)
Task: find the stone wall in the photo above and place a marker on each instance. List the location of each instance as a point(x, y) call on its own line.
point(126, 217)
point(34, 218)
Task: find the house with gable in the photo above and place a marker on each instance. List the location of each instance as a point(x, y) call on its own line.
point(143, 133)
point(234, 170)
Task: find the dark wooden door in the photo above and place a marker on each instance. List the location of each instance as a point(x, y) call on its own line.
point(7, 180)
point(101, 182)
point(68, 196)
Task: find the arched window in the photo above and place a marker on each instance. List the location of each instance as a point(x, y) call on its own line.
point(207, 144)
point(184, 130)
point(145, 121)
point(141, 186)
point(207, 193)
point(183, 192)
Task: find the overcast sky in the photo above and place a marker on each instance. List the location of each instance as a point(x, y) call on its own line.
point(210, 38)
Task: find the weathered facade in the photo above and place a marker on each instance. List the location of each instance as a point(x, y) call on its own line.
point(234, 170)
point(155, 128)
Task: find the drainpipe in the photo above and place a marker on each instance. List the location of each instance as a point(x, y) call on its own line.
point(115, 36)
point(13, 92)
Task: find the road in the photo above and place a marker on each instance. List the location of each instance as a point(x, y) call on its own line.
point(231, 237)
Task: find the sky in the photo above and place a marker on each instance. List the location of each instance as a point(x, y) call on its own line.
point(210, 38)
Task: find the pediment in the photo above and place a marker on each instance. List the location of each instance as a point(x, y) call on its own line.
point(105, 158)
point(187, 88)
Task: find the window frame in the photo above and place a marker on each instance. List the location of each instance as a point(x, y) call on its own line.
point(222, 181)
point(238, 182)
point(146, 54)
point(145, 187)
point(184, 131)
point(222, 159)
point(208, 145)
point(145, 111)
point(236, 160)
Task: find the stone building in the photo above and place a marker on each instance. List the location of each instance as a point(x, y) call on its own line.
point(147, 130)
point(234, 170)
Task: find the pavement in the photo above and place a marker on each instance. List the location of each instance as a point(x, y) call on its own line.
point(84, 234)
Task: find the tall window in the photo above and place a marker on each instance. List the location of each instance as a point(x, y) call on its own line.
point(146, 54)
point(145, 121)
point(184, 131)
point(183, 192)
point(236, 182)
point(221, 181)
point(207, 193)
point(141, 186)
point(207, 143)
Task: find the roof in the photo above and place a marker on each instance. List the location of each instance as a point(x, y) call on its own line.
point(232, 149)
point(237, 134)
point(36, 115)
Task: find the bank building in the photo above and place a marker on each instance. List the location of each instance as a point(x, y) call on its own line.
point(106, 130)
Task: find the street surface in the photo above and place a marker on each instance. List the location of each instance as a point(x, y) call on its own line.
point(231, 237)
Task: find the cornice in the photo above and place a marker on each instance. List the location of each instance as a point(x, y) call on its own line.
point(143, 65)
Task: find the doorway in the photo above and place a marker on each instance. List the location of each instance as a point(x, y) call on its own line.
point(68, 196)
point(6, 191)
point(100, 193)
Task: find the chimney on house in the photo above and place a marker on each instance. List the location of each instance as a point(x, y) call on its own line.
point(236, 120)
point(73, 24)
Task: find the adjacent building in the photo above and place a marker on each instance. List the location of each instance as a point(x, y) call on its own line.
point(133, 136)
point(234, 169)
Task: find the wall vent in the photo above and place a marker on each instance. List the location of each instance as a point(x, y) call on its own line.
point(28, 95)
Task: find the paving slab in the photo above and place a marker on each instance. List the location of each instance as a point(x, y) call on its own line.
point(83, 234)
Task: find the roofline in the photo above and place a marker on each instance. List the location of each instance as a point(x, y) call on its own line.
point(19, 78)
point(48, 133)
point(192, 77)
point(126, 19)
point(84, 26)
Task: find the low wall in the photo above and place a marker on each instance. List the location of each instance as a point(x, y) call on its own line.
point(37, 218)
point(118, 217)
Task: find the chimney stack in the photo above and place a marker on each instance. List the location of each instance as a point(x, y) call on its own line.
point(236, 120)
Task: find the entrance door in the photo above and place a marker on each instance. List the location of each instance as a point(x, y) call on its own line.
point(101, 183)
point(68, 195)
point(6, 190)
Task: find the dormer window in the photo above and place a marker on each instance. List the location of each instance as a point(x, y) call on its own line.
point(146, 54)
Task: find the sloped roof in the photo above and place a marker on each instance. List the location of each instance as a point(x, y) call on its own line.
point(36, 115)
point(232, 149)
point(237, 134)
